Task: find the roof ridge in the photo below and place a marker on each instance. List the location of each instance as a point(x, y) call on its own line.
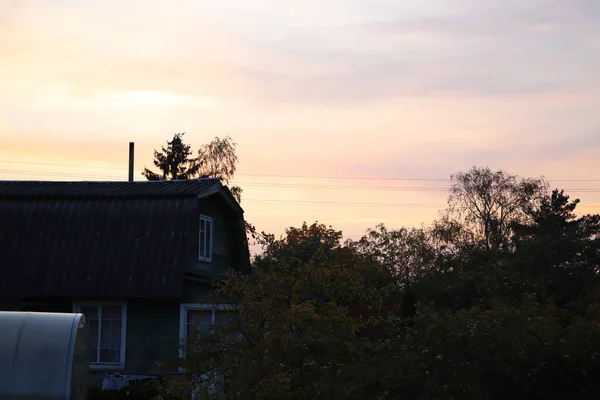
point(122, 182)
point(80, 189)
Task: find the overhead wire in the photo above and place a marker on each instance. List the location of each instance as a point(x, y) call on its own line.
point(277, 185)
point(337, 203)
point(295, 186)
point(284, 175)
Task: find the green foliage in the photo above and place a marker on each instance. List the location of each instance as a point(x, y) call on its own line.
point(150, 389)
point(406, 253)
point(499, 299)
point(299, 318)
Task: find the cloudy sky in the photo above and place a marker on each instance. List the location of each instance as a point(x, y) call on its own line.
point(316, 93)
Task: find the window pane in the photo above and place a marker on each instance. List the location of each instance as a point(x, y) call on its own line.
point(91, 315)
point(115, 335)
point(90, 312)
point(223, 318)
point(109, 355)
point(110, 335)
point(92, 340)
point(202, 247)
point(208, 239)
point(111, 312)
point(199, 322)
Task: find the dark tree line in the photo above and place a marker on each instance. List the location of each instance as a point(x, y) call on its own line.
point(499, 298)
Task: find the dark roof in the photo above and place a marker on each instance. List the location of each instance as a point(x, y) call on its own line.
point(97, 239)
point(19, 189)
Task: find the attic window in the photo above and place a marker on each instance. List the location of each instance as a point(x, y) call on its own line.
point(206, 238)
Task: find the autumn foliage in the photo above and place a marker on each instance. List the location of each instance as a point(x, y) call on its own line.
point(484, 304)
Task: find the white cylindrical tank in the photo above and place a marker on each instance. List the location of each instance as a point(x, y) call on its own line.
point(43, 356)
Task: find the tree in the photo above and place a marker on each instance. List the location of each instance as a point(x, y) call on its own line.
point(560, 251)
point(405, 252)
point(301, 330)
point(219, 159)
point(216, 159)
point(173, 161)
point(512, 311)
point(483, 206)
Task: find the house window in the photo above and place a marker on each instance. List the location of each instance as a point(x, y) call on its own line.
point(107, 322)
point(199, 319)
point(206, 238)
point(195, 321)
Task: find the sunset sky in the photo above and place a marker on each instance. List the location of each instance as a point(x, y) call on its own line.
point(316, 93)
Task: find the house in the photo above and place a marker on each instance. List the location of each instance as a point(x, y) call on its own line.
point(138, 259)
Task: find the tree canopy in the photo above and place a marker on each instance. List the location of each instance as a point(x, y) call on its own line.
point(499, 298)
point(174, 161)
point(216, 159)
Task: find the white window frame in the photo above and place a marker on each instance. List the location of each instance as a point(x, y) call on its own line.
point(78, 305)
point(183, 312)
point(201, 257)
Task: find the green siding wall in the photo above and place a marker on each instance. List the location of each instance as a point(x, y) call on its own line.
point(226, 245)
point(152, 336)
point(196, 292)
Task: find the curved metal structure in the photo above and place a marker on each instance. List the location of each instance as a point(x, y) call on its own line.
point(42, 356)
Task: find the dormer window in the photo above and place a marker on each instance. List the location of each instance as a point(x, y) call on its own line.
point(206, 238)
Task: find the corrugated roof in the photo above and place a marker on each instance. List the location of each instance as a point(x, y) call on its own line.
point(12, 189)
point(97, 239)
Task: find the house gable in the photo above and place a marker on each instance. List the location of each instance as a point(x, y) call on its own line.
point(100, 239)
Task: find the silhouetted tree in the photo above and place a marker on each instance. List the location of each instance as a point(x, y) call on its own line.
point(406, 253)
point(173, 161)
point(219, 159)
point(483, 206)
point(216, 159)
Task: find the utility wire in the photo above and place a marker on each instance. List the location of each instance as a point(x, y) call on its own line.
point(286, 176)
point(364, 204)
point(62, 165)
point(308, 186)
point(338, 203)
point(276, 185)
point(59, 174)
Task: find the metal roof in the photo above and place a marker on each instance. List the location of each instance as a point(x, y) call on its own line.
point(19, 189)
point(97, 239)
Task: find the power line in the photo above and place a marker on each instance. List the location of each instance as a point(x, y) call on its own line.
point(303, 186)
point(343, 187)
point(370, 178)
point(388, 178)
point(340, 203)
point(304, 202)
point(62, 165)
point(285, 176)
point(362, 204)
point(60, 174)
point(380, 188)
point(278, 185)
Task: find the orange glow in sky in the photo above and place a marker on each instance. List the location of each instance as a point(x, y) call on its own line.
point(318, 93)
